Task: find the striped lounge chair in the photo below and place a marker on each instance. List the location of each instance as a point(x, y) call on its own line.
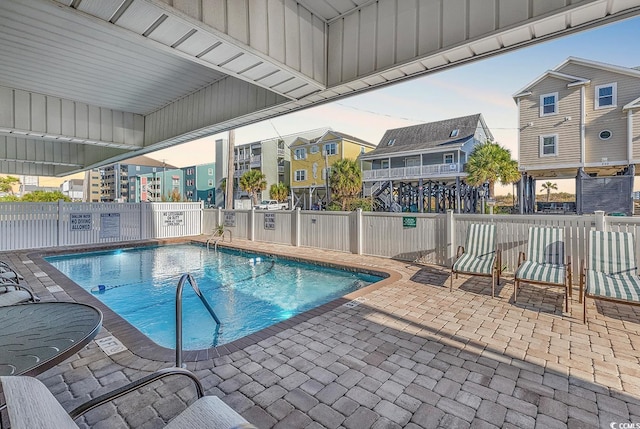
point(612, 271)
point(544, 262)
point(479, 255)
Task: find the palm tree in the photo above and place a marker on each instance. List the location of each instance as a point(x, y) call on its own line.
point(548, 186)
point(490, 162)
point(346, 181)
point(253, 181)
point(279, 191)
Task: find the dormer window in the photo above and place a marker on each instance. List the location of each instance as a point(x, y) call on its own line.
point(391, 142)
point(549, 104)
point(454, 133)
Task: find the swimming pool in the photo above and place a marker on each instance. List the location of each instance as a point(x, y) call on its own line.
point(247, 291)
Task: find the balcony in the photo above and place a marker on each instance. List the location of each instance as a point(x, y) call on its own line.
point(255, 161)
point(239, 173)
point(280, 153)
point(425, 172)
point(281, 169)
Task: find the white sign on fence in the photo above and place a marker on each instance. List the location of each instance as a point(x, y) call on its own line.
point(230, 219)
point(109, 225)
point(269, 221)
point(173, 218)
point(80, 221)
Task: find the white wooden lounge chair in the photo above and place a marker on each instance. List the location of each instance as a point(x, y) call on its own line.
point(544, 262)
point(13, 293)
point(612, 271)
point(479, 256)
point(31, 405)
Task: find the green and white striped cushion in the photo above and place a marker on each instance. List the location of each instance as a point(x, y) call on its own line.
point(481, 239)
point(548, 273)
point(546, 245)
point(612, 252)
point(475, 264)
point(625, 287)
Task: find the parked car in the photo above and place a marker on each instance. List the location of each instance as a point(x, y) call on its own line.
point(271, 205)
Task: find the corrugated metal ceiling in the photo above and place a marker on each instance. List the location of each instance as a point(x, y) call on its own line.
point(47, 49)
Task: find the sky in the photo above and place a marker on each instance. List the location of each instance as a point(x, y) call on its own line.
point(484, 86)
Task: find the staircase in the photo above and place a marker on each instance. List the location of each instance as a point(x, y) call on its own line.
point(382, 196)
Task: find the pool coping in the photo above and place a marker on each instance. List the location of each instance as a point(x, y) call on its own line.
point(140, 345)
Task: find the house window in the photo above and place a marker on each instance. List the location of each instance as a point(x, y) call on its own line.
point(549, 145)
point(606, 95)
point(210, 171)
point(549, 104)
point(331, 148)
point(137, 168)
point(300, 153)
point(210, 182)
point(314, 149)
point(361, 149)
point(412, 162)
point(454, 133)
point(300, 175)
point(175, 181)
point(384, 163)
point(391, 142)
point(448, 158)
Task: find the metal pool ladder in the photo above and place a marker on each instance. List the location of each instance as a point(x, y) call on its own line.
point(196, 289)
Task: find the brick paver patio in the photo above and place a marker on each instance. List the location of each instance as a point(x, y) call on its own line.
point(411, 355)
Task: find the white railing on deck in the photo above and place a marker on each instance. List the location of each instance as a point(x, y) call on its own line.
point(418, 172)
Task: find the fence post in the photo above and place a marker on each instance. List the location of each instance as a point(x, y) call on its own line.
point(252, 224)
point(600, 220)
point(201, 217)
point(359, 236)
point(450, 237)
point(59, 222)
point(140, 221)
point(296, 238)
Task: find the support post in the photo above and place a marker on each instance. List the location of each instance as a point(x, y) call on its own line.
point(359, 237)
point(601, 224)
point(252, 223)
point(458, 194)
point(219, 218)
point(298, 226)
point(420, 196)
point(451, 236)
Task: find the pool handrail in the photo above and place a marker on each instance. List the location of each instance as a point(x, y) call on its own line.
point(194, 285)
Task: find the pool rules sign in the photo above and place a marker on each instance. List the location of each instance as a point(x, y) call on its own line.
point(173, 218)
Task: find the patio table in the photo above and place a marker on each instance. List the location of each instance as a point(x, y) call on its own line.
point(36, 337)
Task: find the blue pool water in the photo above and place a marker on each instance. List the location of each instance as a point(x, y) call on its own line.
point(248, 292)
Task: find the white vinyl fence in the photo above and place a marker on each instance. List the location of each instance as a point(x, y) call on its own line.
point(39, 225)
point(420, 237)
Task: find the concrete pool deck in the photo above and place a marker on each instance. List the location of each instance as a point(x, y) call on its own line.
point(410, 354)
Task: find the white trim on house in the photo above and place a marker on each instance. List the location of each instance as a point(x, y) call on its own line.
point(583, 124)
point(303, 174)
point(555, 145)
point(556, 102)
point(555, 166)
point(599, 65)
point(573, 80)
point(635, 104)
point(606, 164)
point(629, 135)
point(614, 96)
